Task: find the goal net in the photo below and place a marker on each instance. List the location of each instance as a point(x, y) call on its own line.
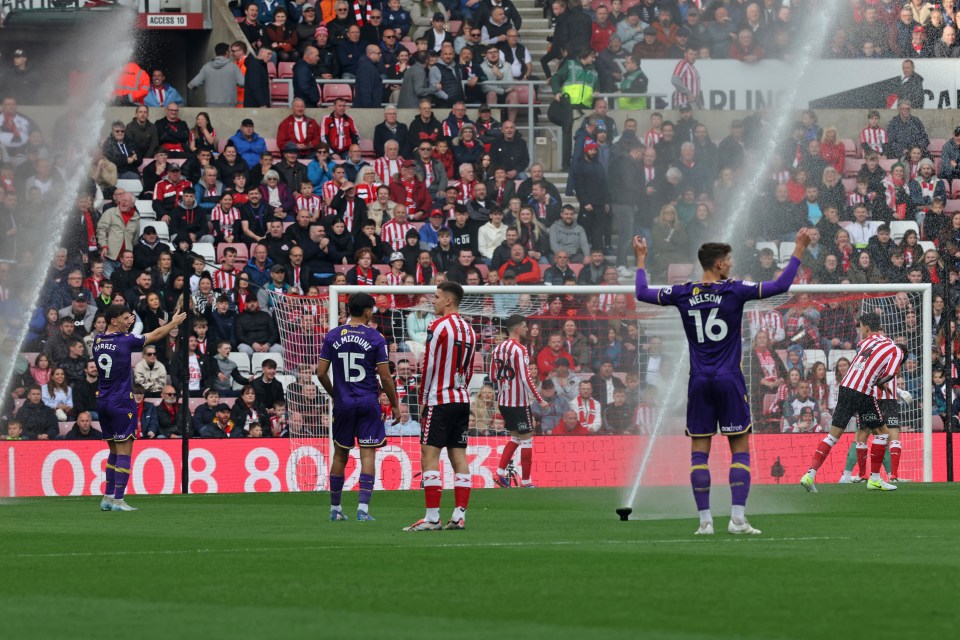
point(634, 357)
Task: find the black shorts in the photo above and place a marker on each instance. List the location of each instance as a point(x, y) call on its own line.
point(517, 420)
point(890, 413)
point(446, 425)
point(866, 409)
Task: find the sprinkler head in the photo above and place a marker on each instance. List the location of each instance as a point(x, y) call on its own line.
point(624, 513)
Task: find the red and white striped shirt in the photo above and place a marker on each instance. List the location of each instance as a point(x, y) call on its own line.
point(464, 191)
point(878, 358)
point(588, 413)
point(690, 78)
point(329, 191)
point(768, 320)
point(447, 361)
point(395, 279)
point(311, 203)
point(225, 218)
point(367, 192)
point(605, 301)
point(395, 233)
point(386, 168)
point(224, 280)
point(510, 370)
point(652, 138)
point(874, 137)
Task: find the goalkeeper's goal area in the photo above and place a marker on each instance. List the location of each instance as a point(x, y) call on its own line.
point(795, 350)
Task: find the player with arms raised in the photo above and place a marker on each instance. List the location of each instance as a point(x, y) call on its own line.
point(112, 351)
point(445, 400)
point(869, 392)
point(358, 353)
point(712, 314)
point(510, 371)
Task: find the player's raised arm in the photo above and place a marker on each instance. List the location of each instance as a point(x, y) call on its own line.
point(783, 282)
point(644, 292)
point(390, 388)
point(163, 331)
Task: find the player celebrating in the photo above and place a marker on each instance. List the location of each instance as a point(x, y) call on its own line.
point(118, 411)
point(510, 370)
point(360, 353)
point(864, 393)
point(447, 369)
point(712, 312)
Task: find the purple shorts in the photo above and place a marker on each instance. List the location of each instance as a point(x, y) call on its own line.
point(118, 420)
point(358, 426)
point(713, 401)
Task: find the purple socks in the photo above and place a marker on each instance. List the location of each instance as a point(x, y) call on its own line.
point(121, 476)
point(740, 478)
point(700, 480)
point(111, 475)
point(366, 488)
point(336, 490)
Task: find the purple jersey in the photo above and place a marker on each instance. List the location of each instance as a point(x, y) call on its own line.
point(354, 351)
point(712, 314)
point(113, 353)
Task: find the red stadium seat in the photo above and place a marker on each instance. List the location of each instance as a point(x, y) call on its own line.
point(285, 70)
point(242, 252)
point(951, 206)
point(851, 167)
point(280, 93)
point(455, 26)
point(849, 147)
point(849, 184)
point(272, 146)
point(334, 91)
point(366, 148)
point(576, 267)
point(936, 147)
point(271, 70)
point(955, 188)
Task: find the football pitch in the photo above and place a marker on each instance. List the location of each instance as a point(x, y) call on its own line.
point(541, 563)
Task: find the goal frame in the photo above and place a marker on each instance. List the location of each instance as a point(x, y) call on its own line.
point(926, 291)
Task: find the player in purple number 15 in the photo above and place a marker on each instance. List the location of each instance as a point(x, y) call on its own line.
point(112, 351)
point(711, 312)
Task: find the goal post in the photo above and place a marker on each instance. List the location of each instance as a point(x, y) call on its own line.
point(651, 336)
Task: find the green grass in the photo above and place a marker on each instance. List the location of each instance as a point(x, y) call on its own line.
point(532, 564)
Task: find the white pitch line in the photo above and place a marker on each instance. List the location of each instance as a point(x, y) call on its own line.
point(452, 545)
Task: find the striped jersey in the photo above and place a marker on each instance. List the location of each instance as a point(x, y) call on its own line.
point(877, 359)
point(312, 204)
point(386, 169)
point(224, 280)
point(652, 137)
point(510, 371)
point(447, 361)
point(225, 218)
point(873, 137)
point(395, 233)
point(690, 78)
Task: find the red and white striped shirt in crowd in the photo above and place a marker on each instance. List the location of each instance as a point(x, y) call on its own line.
point(386, 168)
point(873, 137)
point(856, 198)
point(447, 361)
point(510, 370)
point(225, 218)
point(646, 418)
point(914, 169)
point(690, 78)
point(367, 192)
point(395, 233)
point(464, 191)
point(605, 301)
point(338, 132)
point(780, 177)
point(649, 174)
point(224, 280)
point(588, 413)
point(877, 361)
point(395, 279)
point(651, 138)
point(348, 214)
point(768, 320)
point(329, 192)
point(300, 129)
point(311, 203)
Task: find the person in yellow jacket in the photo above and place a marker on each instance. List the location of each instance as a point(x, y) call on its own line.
point(132, 85)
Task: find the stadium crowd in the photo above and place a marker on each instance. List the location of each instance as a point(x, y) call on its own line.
point(174, 209)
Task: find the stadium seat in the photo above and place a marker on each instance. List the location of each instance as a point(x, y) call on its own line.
point(207, 251)
point(242, 252)
point(366, 149)
point(576, 267)
point(271, 70)
point(409, 45)
point(768, 245)
point(926, 245)
point(849, 184)
point(937, 423)
point(786, 250)
point(951, 206)
point(145, 209)
point(280, 92)
point(483, 269)
point(679, 273)
point(337, 90)
point(256, 361)
point(849, 147)
point(285, 70)
point(272, 146)
point(811, 356)
point(851, 167)
point(243, 362)
point(831, 377)
point(936, 147)
point(836, 354)
point(954, 188)
point(163, 232)
point(455, 26)
point(134, 186)
point(887, 163)
point(900, 227)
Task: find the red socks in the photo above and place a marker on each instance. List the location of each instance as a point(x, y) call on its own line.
point(508, 450)
point(432, 489)
point(526, 460)
point(895, 451)
point(877, 451)
point(461, 490)
point(823, 450)
point(862, 450)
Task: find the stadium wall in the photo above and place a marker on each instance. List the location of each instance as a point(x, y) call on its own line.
point(256, 466)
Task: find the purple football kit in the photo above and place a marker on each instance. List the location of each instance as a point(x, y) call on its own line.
point(354, 351)
point(712, 315)
point(117, 409)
